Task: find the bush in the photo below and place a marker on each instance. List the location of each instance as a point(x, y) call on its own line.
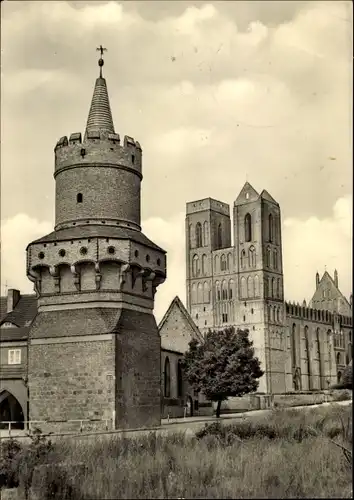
point(10, 451)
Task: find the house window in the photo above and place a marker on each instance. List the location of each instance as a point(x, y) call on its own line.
point(14, 356)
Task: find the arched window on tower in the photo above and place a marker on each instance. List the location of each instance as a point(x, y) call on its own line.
point(275, 259)
point(278, 288)
point(243, 288)
point(200, 294)
point(274, 292)
point(79, 198)
point(270, 227)
point(206, 293)
point(220, 236)
point(216, 263)
point(206, 233)
point(231, 288)
point(252, 257)
point(268, 257)
point(198, 235)
point(167, 388)
point(194, 294)
point(224, 290)
point(204, 265)
point(223, 263)
point(248, 227)
point(195, 266)
point(243, 259)
point(179, 380)
point(229, 262)
point(190, 235)
point(250, 287)
point(339, 359)
point(256, 286)
point(217, 291)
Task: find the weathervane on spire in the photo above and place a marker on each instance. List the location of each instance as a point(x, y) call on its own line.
point(101, 61)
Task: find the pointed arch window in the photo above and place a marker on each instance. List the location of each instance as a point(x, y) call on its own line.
point(223, 263)
point(256, 286)
point(250, 287)
point(216, 263)
point(224, 290)
point(204, 265)
point(206, 293)
point(220, 236)
point(270, 227)
point(274, 287)
point(248, 227)
point(218, 291)
point(268, 256)
point(167, 388)
point(278, 288)
point(179, 379)
point(243, 259)
point(275, 259)
point(252, 257)
point(194, 294)
point(243, 287)
point(200, 293)
point(206, 233)
point(229, 262)
point(231, 289)
point(198, 235)
point(190, 235)
point(195, 266)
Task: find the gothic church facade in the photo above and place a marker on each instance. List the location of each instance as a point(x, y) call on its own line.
point(242, 285)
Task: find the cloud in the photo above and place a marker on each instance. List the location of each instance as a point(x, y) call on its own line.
point(215, 92)
point(314, 244)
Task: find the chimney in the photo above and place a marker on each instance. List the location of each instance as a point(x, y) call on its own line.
point(13, 296)
point(317, 279)
point(336, 277)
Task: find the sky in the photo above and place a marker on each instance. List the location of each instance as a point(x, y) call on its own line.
point(217, 94)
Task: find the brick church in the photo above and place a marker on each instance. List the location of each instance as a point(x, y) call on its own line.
point(86, 346)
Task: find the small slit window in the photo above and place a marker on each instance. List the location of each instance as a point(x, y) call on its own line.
point(133, 159)
point(79, 197)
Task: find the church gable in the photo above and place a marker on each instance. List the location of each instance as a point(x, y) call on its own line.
point(266, 196)
point(328, 296)
point(247, 195)
point(177, 328)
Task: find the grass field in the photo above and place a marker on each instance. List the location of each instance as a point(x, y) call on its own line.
point(288, 454)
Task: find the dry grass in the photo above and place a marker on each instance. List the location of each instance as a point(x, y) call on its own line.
point(289, 463)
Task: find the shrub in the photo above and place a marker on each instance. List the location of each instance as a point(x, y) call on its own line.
point(10, 450)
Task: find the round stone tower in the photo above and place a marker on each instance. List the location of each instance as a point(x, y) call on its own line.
point(94, 349)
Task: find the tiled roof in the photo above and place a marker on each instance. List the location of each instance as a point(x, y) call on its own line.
point(100, 116)
point(24, 312)
point(93, 231)
point(8, 334)
point(3, 307)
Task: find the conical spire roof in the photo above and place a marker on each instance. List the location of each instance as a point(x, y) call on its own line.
point(100, 115)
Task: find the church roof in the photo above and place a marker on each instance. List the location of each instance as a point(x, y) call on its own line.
point(100, 115)
point(327, 277)
point(177, 302)
point(96, 231)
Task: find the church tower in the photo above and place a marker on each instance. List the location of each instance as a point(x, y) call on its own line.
point(94, 348)
point(258, 255)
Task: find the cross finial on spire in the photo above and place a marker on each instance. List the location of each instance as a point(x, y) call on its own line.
point(101, 61)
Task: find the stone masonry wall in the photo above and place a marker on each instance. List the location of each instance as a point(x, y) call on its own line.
point(70, 381)
point(138, 401)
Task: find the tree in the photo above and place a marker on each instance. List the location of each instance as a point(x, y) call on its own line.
point(347, 378)
point(223, 365)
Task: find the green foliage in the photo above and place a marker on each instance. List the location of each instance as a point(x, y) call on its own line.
point(223, 365)
point(10, 450)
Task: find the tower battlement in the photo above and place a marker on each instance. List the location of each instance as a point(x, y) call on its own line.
point(100, 148)
point(319, 315)
point(208, 204)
